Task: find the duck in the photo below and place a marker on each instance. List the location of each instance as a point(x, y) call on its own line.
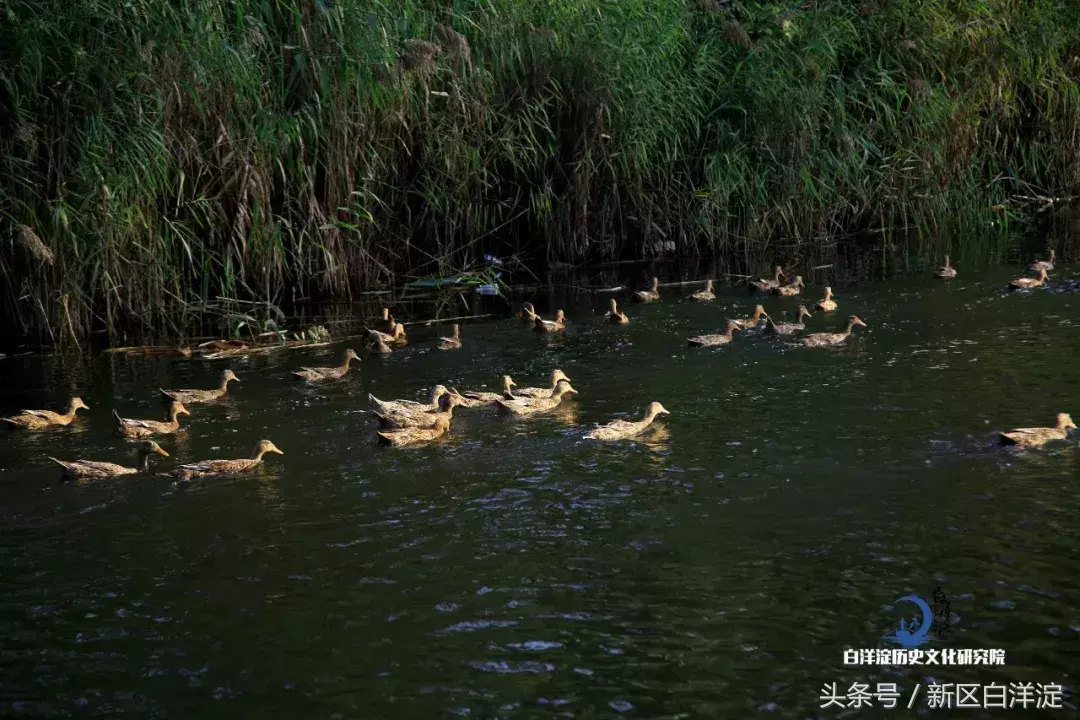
point(1036, 437)
point(392, 406)
point(827, 304)
point(764, 285)
point(946, 270)
point(1047, 265)
point(621, 429)
point(1025, 283)
point(772, 328)
point(704, 295)
point(653, 293)
point(824, 339)
point(789, 290)
point(385, 321)
point(531, 406)
point(193, 397)
point(614, 315)
point(38, 419)
point(396, 335)
point(557, 376)
point(377, 346)
point(714, 340)
point(402, 420)
point(209, 468)
point(528, 313)
point(86, 469)
point(747, 323)
point(476, 398)
point(318, 374)
point(453, 342)
point(550, 326)
point(414, 435)
point(133, 429)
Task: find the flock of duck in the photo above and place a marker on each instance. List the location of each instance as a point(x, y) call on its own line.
point(408, 422)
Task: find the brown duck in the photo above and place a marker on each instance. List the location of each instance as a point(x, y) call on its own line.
point(748, 323)
point(318, 374)
point(531, 406)
point(1036, 437)
point(614, 315)
point(209, 468)
point(764, 285)
point(789, 290)
point(528, 313)
point(653, 293)
point(825, 339)
point(396, 336)
point(453, 342)
point(87, 469)
point(1046, 265)
point(476, 398)
point(423, 419)
point(557, 375)
point(38, 419)
point(1025, 283)
point(704, 295)
point(392, 406)
point(128, 428)
point(946, 270)
point(620, 429)
point(550, 326)
point(415, 435)
point(827, 304)
point(772, 328)
point(192, 397)
point(377, 346)
point(714, 340)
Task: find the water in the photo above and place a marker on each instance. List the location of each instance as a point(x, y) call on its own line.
point(716, 568)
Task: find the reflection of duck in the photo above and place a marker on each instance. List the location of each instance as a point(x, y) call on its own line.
point(318, 374)
point(772, 328)
point(191, 397)
point(476, 398)
point(614, 315)
point(453, 342)
point(1046, 265)
point(389, 406)
point(525, 406)
point(824, 339)
point(653, 293)
point(413, 435)
point(764, 285)
point(1036, 437)
point(85, 469)
point(946, 270)
point(704, 295)
point(619, 429)
point(550, 326)
point(714, 340)
point(1026, 282)
point(207, 468)
point(128, 428)
point(37, 419)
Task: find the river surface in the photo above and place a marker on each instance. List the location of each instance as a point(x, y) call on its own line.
point(715, 569)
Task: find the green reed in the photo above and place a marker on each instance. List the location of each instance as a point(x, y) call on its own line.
point(171, 153)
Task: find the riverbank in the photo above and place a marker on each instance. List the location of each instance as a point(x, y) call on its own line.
point(154, 158)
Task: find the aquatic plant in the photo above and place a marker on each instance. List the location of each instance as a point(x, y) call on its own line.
point(166, 154)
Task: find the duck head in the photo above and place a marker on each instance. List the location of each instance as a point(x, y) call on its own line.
point(1065, 422)
point(803, 312)
point(149, 447)
point(265, 446)
point(177, 408)
point(656, 408)
point(228, 375)
point(77, 404)
point(854, 320)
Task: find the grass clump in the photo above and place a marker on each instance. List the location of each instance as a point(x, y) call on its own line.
point(167, 155)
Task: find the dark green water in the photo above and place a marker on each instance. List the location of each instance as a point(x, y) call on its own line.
point(717, 570)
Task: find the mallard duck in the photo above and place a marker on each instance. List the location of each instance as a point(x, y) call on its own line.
point(390, 406)
point(653, 293)
point(528, 313)
point(207, 468)
point(557, 375)
point(414, 435)
point(827, 304)
point(192, 397)
point(946, 270)
point(789, 290)
point(417, 418)
point(84, 469)
point(772, 328)
point(747, 323)
point(614, 315)
point(476, 398)
point(764, 285)
point(37, 419)
point(1046, 265)
point(823, 339)
point(318, 374)
point(377, 346)
point(396, 335)
point(1035, 437)
point(619, 429)
point(453, 342)
point(1026, 282)
point(531, 406)
point(704, 295)
point(714, 340)
point(128, 428)
point(550, 326)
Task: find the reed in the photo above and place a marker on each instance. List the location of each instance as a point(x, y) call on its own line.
point(165, 154)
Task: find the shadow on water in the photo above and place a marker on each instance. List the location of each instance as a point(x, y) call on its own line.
point(717, 566)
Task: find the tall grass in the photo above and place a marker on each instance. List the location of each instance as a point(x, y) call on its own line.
point(170, 153)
